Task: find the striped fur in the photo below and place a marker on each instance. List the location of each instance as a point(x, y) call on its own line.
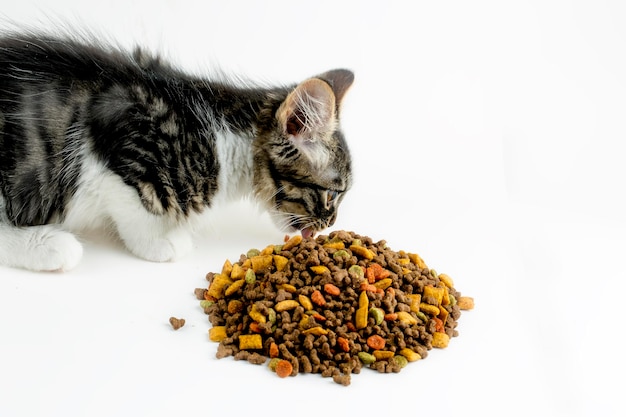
point(93, 136)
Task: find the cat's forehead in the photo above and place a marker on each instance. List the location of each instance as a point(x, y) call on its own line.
point(334, 179)
point(337, 173)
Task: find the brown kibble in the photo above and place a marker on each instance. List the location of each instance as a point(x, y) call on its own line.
point(177, 323)
point(284, 368)
point(342, 379)
point(199, 293)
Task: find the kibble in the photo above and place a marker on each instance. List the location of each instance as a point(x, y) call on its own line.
point(331, 305)
point(176, 323)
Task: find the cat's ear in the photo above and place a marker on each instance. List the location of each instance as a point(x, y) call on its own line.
point(309, 110)
point(339, 80)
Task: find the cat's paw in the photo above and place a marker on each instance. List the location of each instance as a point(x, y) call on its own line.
point(168, 248)
point(51, 249)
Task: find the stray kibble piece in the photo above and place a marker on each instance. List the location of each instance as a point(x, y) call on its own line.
point(465, 303)
point(177, 323)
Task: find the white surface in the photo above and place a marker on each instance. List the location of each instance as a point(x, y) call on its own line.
point(486, 137)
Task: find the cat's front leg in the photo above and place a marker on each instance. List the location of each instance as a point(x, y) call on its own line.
point(167, 247)
point(152, 238)
point(39, 248)
point(157, 238)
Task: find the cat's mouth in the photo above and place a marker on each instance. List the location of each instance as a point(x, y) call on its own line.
point(308, 232)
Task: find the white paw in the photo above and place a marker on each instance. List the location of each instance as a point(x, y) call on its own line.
point(173, 246)
point(51, 249)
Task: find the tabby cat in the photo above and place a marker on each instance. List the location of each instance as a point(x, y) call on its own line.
point(92, 136)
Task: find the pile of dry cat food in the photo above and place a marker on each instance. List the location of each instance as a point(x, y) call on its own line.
point(330, 305)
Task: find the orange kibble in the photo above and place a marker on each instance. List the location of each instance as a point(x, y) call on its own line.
point(391, 317)
point(377, 272)
point(331, 289)
point(284, 368)
point(439, 325)
point(368, 287)
point(254, 327)
point(343, 343)
point(274, 350)
point(376, 342)
point(318, 298)
point(370, 274)
point(384, 273)
point(318, 317)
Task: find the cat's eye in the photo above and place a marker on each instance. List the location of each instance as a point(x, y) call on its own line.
point(331, 197)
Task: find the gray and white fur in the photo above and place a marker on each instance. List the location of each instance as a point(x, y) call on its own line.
point(92, 136)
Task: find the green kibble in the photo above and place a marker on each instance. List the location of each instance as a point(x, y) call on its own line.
point(250, 276)
point(400, 360)
point(271, 315)
point(206, 304)
point(377, 314)
point(253, 252)
point(421, 316)
point(357, 242)
point(433, 273)
point(366, 358)
point(452, 300)
point(273, 363)
point(278, 249)
point(356, 271)
point(341, 255)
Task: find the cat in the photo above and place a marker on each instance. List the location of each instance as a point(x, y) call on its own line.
point(93, 136)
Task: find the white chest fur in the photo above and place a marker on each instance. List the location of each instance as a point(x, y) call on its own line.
point(234, 154)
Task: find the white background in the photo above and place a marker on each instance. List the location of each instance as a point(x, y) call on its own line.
point(487, 136)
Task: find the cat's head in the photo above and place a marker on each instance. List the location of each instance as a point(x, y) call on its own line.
point(302, 162)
